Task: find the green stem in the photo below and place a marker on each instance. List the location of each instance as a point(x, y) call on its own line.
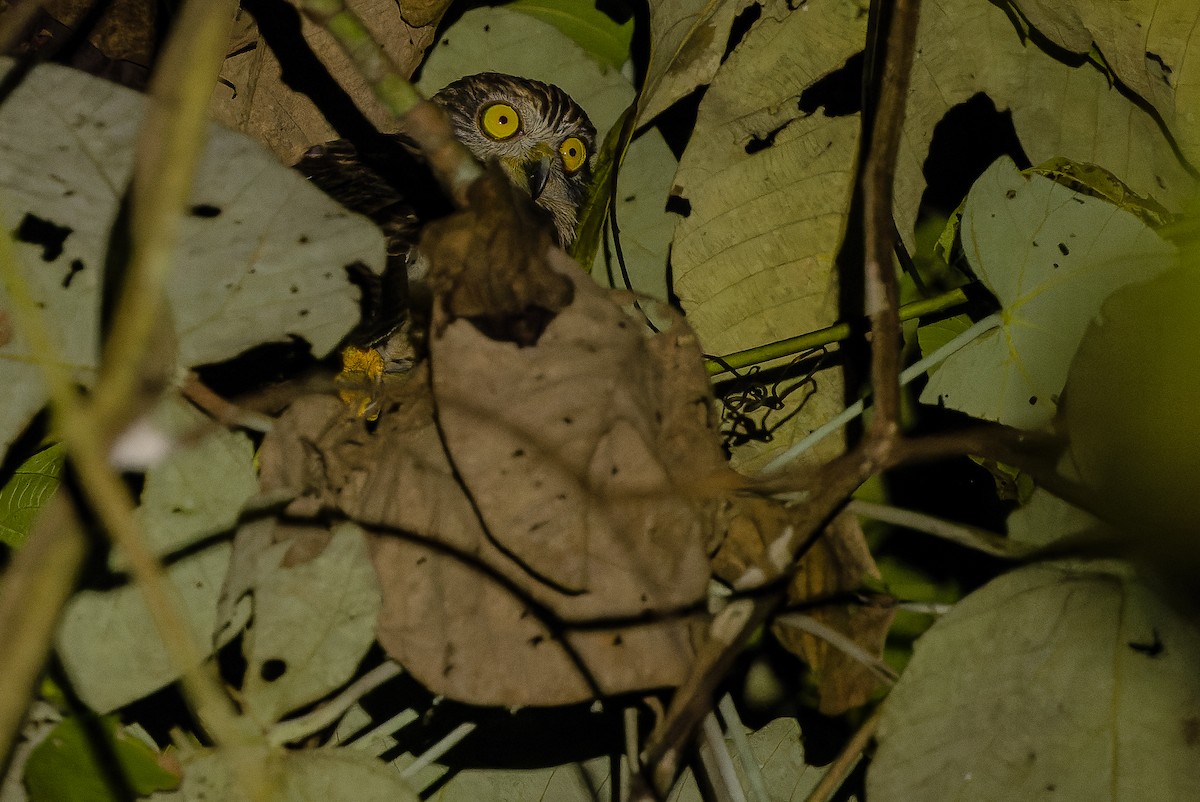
point(826, 336)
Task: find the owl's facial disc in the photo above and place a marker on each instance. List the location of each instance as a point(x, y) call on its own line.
point(538, 134)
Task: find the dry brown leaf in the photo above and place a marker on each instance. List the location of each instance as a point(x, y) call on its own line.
point(253, 97)
point(544, 538)
point(125, 31)
point(838, 562)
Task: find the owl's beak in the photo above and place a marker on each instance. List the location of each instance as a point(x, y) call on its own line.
point(537, 173)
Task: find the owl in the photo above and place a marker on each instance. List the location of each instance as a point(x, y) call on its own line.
point(536, 132)
point(540, 138)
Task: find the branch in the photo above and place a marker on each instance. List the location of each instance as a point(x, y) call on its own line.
point(452, 164)
point(139, 349)
point(826, 336)
point(85, 429)
point(879, 230)
point(33, 592)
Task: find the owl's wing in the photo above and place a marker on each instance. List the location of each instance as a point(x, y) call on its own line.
point(384, 180)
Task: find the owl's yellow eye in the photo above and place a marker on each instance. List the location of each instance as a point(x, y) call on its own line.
point(500, 121)
point(574, 154)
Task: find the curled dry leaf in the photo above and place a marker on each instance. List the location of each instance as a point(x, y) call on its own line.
point(754, 553)
point(545, 537)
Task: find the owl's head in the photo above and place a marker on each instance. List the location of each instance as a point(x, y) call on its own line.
point(540, 137)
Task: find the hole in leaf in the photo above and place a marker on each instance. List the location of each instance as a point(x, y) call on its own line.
point(272, 669)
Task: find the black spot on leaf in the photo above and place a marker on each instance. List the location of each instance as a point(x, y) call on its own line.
point(1062, 248)
point(1011, 194)
point(206, 210)
point(272, 669)
point(38, 231)
point(1033, 400)
point(1152, 649)
point(75, 267)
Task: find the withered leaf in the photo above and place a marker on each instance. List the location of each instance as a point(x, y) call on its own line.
point(575, 559)
point(838, 562)
point(254, 98)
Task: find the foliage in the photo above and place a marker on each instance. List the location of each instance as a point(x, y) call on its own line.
point(536, 515)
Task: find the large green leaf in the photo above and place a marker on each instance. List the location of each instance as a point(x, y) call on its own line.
point(1150, 45)
point(1050, 256)
point(109, 644)
point(1056, 681)
point(107, 639)
point(768, 185)
point(262, 256)
point(593, 30)
point(1073, 110)
point(312, 624)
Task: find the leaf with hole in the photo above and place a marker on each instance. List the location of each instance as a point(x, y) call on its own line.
point(1050, 256)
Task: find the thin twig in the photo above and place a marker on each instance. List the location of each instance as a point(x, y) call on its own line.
point(310, 723)
point(844, 763)
point(170, 141)
point(970, 536)
point(806, 623)
point(438, 749)
point(838, 332)
point(737, 733)
point(33, 591)
point(450, 162)
point(881, 295)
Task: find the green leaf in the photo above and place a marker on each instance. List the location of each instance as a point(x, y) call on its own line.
point(109, 644)
point(1056, 681)
point(768, 185)
point(1057, 107)
point(23, 495)
point(312, 624)
point(261, 257)
point(779, 753)
point(69, 766)
point(107, 639)
point(1050, 256)
point(196, 491)
point(1122, 38)
point(307, 775)
point(601, 38)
